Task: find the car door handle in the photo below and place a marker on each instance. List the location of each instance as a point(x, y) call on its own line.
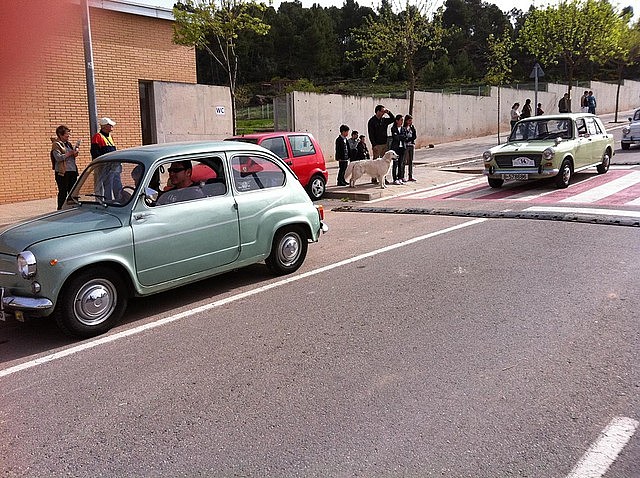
point(141, 216)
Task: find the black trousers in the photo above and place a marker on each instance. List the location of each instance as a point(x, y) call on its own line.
point(343, 168)
point(65, 184)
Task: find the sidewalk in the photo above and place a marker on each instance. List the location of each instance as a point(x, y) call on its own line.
point(444, 163)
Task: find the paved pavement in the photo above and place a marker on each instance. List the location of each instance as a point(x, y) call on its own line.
point(441, 164)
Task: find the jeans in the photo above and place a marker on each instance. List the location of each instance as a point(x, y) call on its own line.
point(408, 160)
point(398, 165)
point(341, 171)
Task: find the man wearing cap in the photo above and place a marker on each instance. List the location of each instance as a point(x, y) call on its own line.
point(102, 143)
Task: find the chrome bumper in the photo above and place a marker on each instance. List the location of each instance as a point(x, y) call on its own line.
point(532, 172)
point(324, 227)
point(12, 303)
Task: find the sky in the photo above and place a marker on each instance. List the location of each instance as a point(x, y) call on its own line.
point(504, 5)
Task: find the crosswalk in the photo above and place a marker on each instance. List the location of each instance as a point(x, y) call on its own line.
point(619, 187)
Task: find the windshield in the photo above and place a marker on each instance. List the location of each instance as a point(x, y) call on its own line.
point(543, 129)
point(111, 183)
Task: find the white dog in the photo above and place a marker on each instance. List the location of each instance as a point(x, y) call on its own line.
point(376, 168)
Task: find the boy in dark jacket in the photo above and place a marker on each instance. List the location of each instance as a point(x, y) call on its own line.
point(342, 153)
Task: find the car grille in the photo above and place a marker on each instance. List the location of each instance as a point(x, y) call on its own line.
point(506, 161)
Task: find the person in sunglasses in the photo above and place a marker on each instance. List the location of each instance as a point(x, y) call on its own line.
point(180, 175)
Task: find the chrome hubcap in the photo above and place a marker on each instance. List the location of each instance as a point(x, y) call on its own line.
point(95, 301)
point(317, 188)
point(289, 249)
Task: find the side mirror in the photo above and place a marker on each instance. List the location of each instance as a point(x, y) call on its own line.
point(150, 194)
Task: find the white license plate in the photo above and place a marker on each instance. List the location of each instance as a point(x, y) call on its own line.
point(522, 161)
point(515, 177)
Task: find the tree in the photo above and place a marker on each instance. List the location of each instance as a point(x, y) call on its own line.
point(500, 65)
point(202, 24)
point(628, 51)
point(574, 32)
point(397, 39)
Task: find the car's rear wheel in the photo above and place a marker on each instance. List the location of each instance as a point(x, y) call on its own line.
point(496, 182)
point(603, 167)
point(288, 251)
point(316, 187)
point(625, 146)
point(91, 303)
point(564, 176)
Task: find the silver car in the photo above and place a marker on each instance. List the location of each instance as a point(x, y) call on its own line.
point(145, 220)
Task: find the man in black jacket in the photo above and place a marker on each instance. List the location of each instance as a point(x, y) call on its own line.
point(377, 128)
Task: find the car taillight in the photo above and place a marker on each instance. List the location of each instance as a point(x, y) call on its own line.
point(320, 212)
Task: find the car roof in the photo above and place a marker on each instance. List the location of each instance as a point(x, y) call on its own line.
point(152, 152)
point(270, 134)
point(560, 116)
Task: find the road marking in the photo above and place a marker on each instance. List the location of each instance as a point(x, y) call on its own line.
point(585, 210)
point(212, 305)
point(417, 192)
point(607, 189)
point(604, 451)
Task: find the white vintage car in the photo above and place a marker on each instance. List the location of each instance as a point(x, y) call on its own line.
point(631, 132)
point(550, 146)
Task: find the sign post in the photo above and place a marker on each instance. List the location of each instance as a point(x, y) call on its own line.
point(536, 73)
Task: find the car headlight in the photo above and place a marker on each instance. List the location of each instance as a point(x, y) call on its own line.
point(548, 153)
point(487, 155)
point(625, 130)
point(27, 264)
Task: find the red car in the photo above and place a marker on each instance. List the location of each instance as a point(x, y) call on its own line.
point(300, 151)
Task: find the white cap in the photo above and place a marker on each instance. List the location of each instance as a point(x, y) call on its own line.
point(106, 121)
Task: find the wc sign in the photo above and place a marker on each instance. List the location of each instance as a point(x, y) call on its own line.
point(220, 110)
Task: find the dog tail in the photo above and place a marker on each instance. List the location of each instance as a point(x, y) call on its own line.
point(349, 171)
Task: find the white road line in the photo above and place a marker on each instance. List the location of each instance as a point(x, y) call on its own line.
point(604, 451)
point(585, 210)
point(467, 183)
point(417, 193)
point(212, 305)
point(604, 190)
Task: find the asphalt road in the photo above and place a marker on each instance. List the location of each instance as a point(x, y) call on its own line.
point(402, 348)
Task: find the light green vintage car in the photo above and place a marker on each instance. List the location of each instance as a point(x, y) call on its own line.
point(550, 146)
point(144, 220)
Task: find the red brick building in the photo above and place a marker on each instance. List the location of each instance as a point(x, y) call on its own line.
point(42, 80)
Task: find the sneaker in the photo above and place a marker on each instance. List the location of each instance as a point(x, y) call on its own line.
point(398, 182)
point(374, 180)
point(411, 179)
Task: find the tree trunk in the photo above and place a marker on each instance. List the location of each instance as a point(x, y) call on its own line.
point(620, 71)
point(412, 85)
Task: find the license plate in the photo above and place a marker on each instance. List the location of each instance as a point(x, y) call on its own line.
point(522, 161)
point(515, 177)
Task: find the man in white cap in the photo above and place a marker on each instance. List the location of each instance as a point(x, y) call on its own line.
point(102, 143)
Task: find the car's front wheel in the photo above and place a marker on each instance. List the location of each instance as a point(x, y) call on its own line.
point(288, 250)
point(496, 182)
point(316, 187)
point(91, 303)
point(603, 167)
point(564, 176)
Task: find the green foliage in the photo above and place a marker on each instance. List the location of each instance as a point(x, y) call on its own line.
point(500, 60)
point(397, 39)
point(301, 85)
point(574, 32)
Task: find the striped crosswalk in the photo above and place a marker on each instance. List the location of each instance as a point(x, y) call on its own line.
point(619, 187)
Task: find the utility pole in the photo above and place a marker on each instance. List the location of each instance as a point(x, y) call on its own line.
point(88, 61)
point(535, 73)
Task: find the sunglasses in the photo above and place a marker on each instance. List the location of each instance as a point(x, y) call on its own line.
point(176, 170)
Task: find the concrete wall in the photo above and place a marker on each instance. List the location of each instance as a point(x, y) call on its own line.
point(438, 117)
point(187, 112)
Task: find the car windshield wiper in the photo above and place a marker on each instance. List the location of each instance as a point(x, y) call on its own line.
point(98, 197)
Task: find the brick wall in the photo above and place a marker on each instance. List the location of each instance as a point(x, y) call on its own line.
point(42, 83)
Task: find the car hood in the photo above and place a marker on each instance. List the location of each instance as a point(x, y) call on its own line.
point(524, 147)
point(17, 237)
